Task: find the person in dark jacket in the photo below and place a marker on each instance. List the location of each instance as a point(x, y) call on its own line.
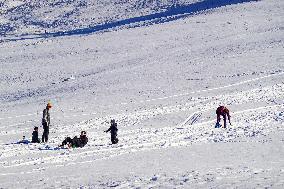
point(46, 122)
point(76, 142)
point(113, 131)
point(224, 112)
point(35, 138)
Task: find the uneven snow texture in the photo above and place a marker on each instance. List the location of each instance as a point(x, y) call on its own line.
point(161, 74)
point(39, 16)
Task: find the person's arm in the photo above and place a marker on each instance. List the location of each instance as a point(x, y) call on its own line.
point(228, 115)
point(47, 117)
point(108, 130)
point(44, 116)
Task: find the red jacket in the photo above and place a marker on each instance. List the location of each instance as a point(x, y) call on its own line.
point(222, 110)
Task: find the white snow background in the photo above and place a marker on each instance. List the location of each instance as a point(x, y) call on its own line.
point(160, 68)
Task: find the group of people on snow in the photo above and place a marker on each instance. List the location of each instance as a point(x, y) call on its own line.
point(45, 125)
point(82, 140)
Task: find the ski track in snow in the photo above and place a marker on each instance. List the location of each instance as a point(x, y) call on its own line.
point(194, 129)
point(143, 101)
point(147, 139)
point(144, 139)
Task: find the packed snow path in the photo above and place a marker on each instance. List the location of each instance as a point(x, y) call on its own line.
point(250, 124)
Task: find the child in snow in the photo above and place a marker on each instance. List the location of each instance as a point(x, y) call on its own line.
point(113, 130)
point(76, 142)
point(35, 138)
point(23, 141)
point(224, 112)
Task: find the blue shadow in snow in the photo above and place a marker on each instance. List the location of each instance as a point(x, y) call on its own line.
point(172, 13)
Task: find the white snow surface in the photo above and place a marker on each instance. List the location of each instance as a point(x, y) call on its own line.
point(161, 77)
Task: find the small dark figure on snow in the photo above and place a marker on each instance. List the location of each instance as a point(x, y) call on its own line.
point(76, 142)
point(113, 131)
point(23, 141)
point(35, 138)
point(46, 122)
point(224, 112)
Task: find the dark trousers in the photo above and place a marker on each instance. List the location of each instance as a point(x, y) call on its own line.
point(45, 132)
point(225, 120)
point(67, 140)
point(114, 140)
point(224, 117)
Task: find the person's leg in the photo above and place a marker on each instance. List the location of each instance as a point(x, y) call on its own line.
point(113, 139)
point(224, 117)
point(66, 141)
point(44, 125)
point(46, 134)
point(218, 118)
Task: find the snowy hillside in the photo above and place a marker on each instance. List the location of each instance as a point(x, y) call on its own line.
point(160, 69)
point(35, 16)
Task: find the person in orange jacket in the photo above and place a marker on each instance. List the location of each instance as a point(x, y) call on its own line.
point(224, 112)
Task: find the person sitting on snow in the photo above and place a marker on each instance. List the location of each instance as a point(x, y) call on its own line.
point(224, 112)
point(35, 138)
point(76, 142)
point(113, 131)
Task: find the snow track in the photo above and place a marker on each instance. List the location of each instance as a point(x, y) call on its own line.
point(264, 120)
point(145, 139)
point(70, 114)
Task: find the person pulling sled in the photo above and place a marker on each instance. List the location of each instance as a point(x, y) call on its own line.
point(113, 131)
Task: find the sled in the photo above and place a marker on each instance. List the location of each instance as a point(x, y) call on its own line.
point(218, 125)
point(47, 147)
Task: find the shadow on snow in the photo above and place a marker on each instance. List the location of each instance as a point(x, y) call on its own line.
point(172, 13)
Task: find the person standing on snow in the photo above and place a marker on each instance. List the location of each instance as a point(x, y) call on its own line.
point(113, 130)
point(46, 122)
point(223, 111)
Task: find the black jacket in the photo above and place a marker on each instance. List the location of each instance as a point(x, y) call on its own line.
point(79, 142)
point(35, 138)
point(46, 117)
point(113, 129)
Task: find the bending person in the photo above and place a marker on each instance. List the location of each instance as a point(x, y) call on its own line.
point(224, 112)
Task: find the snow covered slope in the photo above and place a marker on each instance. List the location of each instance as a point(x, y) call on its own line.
point(161, 74)
point(35, 16)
